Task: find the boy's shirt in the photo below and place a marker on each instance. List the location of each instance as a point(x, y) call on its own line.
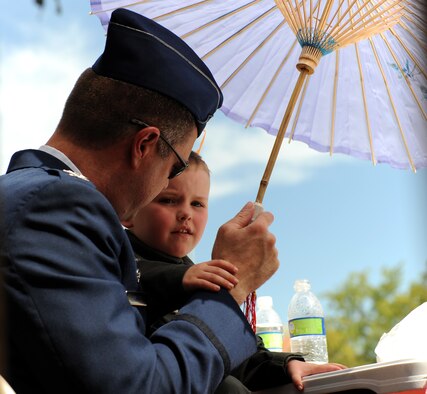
point(161, 281)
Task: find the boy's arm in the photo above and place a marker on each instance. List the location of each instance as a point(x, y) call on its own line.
point(168, 284)
point(265, 369)
point(160, 278)
point(162, 285)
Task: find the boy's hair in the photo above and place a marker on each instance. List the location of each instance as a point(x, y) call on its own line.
point(98, 111)
point(196, 160)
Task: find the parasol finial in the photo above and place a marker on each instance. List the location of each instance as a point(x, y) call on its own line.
point(309, 59)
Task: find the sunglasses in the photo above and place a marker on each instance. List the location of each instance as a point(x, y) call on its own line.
point(178, 168)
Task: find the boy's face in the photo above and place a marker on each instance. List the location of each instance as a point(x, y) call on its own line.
point(174, 221)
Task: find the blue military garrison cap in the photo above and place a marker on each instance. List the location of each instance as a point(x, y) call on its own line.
point(142, 52)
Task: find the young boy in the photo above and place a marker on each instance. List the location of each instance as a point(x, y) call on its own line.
point(162, 234)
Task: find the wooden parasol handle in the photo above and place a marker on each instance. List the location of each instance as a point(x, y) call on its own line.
point(281, 134)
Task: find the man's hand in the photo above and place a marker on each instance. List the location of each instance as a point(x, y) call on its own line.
point(211, 275)
point(250, 247)
point(298, 369)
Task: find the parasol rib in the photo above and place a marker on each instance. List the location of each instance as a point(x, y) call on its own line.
point(408, 83)
point(353, 24)
point(289, 16)
point(340, 17)
point(298, 14)
point(336, 74)
point(237, 33)
point(297, 113)
point(199, 149)
point(220, 18)
point(416, 14)
point(326, 12)
point(421, 28)
point(311, 15)
point(365, 106)
point(334, 103)
point(419, 7)
point(304, 15)
point(355, 32)
point(393, 106)
point(317, 18)
point(261, 100)
point(403, 25)
point(410, 54)
point(187, 7)
point(366, 32)
point(253, 53)
point(113, 8)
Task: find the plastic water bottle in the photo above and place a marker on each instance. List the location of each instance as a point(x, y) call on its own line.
point(269, 325)
point(307, 325)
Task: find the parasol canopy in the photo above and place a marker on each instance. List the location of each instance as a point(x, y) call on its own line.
point(367, 100)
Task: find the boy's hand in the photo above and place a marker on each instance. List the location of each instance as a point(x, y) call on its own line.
point(298, 369)
point(211, 275)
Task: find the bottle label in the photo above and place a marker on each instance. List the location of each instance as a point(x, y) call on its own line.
point(273, 340)
point(307, 326)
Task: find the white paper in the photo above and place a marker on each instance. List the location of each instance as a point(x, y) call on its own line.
point(407, 339)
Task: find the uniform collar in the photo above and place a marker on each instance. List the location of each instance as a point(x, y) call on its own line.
point(33, 158)
point(60, 156)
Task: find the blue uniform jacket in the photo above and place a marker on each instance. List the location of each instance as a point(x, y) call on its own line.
point(67, 264)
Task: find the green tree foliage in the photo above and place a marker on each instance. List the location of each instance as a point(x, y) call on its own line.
point(360, 312)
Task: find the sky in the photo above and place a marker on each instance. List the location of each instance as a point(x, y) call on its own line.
point(333, 215)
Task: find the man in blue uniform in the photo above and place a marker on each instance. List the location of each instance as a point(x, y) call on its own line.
point(75, 309)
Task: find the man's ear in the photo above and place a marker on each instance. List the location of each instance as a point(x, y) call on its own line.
point(127, 223)
point(144, 144)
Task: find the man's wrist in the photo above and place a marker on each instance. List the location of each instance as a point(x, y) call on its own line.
point(239, 294)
